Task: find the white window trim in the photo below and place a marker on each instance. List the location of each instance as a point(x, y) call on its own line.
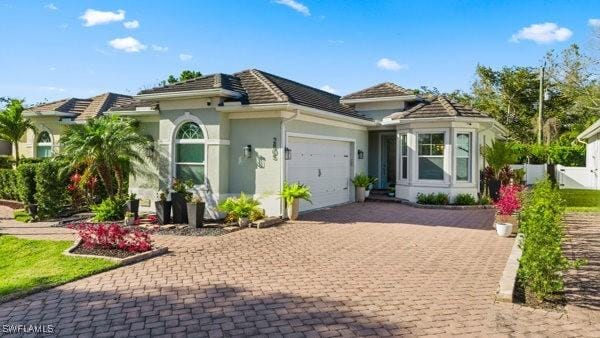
point(473, 169)
point(179, 122)
point(446, 156)
point(400, 179)
point(36, 144)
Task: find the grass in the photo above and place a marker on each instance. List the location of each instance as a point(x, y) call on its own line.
point(581, 200)
point(27, 266)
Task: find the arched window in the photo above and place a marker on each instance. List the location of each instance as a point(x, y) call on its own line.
point(43, 145)
point(190, 153)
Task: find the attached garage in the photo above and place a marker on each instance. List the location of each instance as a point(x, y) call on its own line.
point(324, 165)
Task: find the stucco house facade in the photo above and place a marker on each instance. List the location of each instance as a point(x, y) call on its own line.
point(591, 137)
point(251, 131)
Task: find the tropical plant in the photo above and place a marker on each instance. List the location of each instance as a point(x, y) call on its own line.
point(113, 236)
point(363, 180)
point(509, 201)
point(111, 209)
point(239, 207)
point(105, 147)
point(292, 191)
point(498, 155)
point(13, 125)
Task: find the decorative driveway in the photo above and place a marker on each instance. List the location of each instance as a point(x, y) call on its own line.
point(378, 269)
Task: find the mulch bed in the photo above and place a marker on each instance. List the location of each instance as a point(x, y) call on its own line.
point(526, 297)
point(103, 252)
point(203, 231)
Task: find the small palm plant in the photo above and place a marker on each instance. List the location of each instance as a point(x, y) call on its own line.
point(292, 193)
point(240, 208)
point(13, 125)
point(362, 182)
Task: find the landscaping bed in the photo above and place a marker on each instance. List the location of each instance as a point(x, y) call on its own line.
point(79, 250)
point(207, 230)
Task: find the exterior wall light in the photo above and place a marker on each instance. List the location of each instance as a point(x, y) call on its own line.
point(275, 152)
point(361, 154)
point(288, 153)
point(248, 151)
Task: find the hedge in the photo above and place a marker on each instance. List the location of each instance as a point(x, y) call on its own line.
point(26, 182)
point(567, 155)
point(8, 185)
point(50, 191)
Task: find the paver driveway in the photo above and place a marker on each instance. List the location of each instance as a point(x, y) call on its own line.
point(375, 269)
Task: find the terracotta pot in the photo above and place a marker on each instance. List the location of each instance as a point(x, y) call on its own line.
point(360, 194)
point(293, 209)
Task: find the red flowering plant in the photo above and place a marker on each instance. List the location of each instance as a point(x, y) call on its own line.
point(509, 201)
point(112, 236)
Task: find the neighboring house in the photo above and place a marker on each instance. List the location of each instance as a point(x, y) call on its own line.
point(251, 131)
point(588, 177)
point(52, 117)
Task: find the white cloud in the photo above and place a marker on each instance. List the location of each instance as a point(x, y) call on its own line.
point(185, 57)
point(295, 5)
point(128, 44)
point(94, 17)
point(158, 48)
point(53, 89)
point(51, 7)
point(133, 24)
point(389, 64)
point(542, 33)
point(594, 23)
point(329, 89)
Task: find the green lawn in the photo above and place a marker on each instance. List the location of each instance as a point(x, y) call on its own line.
point(30, 265)
point(581, 200)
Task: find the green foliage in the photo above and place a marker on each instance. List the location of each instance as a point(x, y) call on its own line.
point(294, 191)
point(581, 199)
point(498, 155)
point(465, 199)
point(571, 155)
point(21, 215)
point(13, 125)
point(433, 198)
point(26, 182)
point(540, 221)
point(184, 76)
point(111, 209)
point(240, 207)
point(6, 162)
point(51, 191)
point(363, 180)
point(8, 184)
point(484, 200)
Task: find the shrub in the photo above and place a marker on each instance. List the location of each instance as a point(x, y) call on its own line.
point(26, 182)
point(240, 207)
point(8, 184)
point(363, 180)
point(543, 262)
point(433, 199)
point(6, 162)
point(509, 201)
point(113, 236)
point(111, 209)
point(21, 215)
point(465, 199)
point(51, 191)
point(485, 200)
point(294, 191)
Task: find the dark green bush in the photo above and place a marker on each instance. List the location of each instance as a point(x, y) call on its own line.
point(51, 191)
point(21, 215)
point(8, 184)
point(111, 209)
point(26, 182)
point(433, 198)
point(540, 221)
point(465, 199)
point(6, 162)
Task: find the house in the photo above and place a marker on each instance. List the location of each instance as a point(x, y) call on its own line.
point(250, 131)
point(591, 175)
point(52, 117)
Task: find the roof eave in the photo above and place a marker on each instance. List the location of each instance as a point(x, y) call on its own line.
point(391, 121)
point(190, 94)
point(380, 99)
point(48, 113)
point(590, 131)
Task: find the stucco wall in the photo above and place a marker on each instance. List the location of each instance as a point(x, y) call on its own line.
point(47, 123)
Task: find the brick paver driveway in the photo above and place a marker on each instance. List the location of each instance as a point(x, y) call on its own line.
point(375, 269)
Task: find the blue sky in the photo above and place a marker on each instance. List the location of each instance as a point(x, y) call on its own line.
point(55, 49)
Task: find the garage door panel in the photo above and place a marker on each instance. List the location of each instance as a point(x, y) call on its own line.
point(323, 165)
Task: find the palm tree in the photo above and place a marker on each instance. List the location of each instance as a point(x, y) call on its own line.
point(498, 155)
point(13, 125)
point(105, 147)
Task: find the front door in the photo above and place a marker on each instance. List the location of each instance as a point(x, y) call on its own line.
point(388, 161)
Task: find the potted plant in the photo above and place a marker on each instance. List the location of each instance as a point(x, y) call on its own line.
point(133, 204)
point(240, 208)
point(292, 194)
point(195, 211)
point(179, 196)
point(361, 182)
point(508, 203)
point(129, 218)
point(372, 181)
point(391, 190)
point(163, 209)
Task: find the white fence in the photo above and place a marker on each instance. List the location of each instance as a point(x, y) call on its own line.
point(533, 172)
point(576, 178)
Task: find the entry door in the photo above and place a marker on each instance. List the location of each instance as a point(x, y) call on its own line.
point(323, 165)
point(388, 161)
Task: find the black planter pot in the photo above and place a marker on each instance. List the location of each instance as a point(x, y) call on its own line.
point(494, 189)
point(32, 209)
point(195, 214)
point(134, 207)
point(163, 211)
point(179, 206)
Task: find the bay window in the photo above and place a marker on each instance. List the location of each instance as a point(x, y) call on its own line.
point(190, 153)
point(431, 156)
point(463, 157)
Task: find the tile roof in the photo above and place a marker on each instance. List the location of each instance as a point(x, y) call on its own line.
point(84, 108)
point(438, 106)
point(385, 89)
point(211, 81)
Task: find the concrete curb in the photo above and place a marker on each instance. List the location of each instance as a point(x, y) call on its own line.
point(506, 287)
point(120, 261)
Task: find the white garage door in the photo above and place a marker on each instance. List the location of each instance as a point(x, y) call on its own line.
point(324, 166)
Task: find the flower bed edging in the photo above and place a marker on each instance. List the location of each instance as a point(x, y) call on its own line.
point(120, 261)
point(506, 287)
point(447, 206)
point(12, 204)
